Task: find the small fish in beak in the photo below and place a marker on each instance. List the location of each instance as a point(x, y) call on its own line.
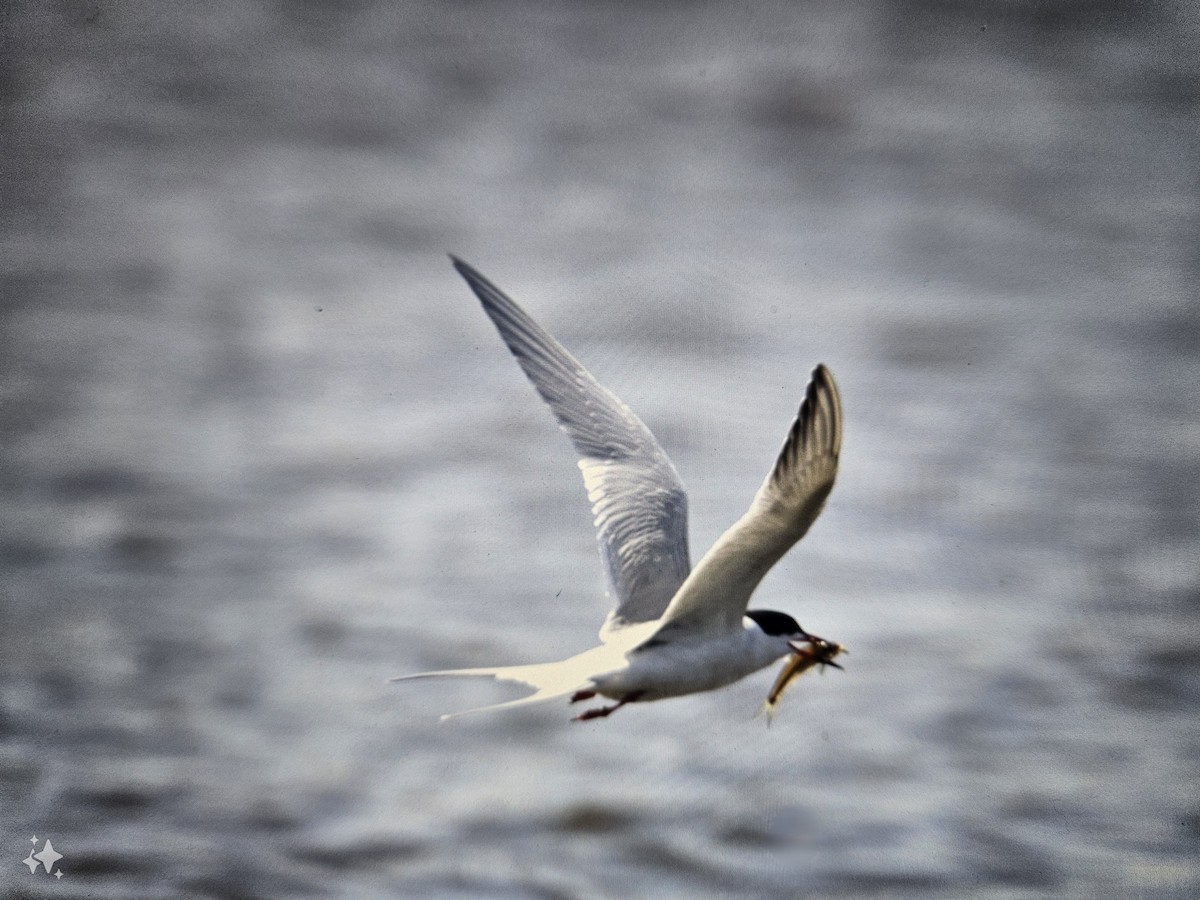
point(809, 651)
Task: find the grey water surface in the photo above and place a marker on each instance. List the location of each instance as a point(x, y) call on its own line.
point(261, 450)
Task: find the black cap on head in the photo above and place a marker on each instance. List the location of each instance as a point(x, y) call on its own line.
point(775, 623)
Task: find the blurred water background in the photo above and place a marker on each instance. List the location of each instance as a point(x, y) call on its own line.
point(262, 450)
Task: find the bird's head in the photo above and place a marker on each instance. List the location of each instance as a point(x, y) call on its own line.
point(794, 639)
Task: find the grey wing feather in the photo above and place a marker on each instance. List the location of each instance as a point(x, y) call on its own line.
point(638, 501)
point(717, 592)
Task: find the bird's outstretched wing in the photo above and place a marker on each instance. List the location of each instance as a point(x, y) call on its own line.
point(716, 593)
point(638, 501)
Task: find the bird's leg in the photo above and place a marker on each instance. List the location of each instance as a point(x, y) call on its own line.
point(582, 695)
point(602, 711)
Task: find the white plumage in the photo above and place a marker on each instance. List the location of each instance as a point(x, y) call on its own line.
point(673, 630)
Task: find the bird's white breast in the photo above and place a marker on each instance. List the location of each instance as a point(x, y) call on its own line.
point(690, 665)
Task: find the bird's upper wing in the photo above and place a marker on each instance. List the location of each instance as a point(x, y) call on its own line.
point(716, 593)
point(638, 501)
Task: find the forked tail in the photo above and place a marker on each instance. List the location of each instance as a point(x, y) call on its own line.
point(548, 680)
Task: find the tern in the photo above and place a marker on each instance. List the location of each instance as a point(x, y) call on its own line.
point(674, 630)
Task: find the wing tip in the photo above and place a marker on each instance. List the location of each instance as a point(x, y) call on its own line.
point(818, 420)
point(829, 385)
point(822, 391)
point(822, 378)
point(465, 269)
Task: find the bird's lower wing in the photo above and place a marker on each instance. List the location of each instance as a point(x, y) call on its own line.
point(715, 595)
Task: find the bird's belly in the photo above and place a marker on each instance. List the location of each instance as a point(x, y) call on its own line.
point(658, 676)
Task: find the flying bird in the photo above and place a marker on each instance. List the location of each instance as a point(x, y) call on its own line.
point(674, 629)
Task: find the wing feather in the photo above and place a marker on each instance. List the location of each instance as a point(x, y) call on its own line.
point(638, 502)
point(716, 593)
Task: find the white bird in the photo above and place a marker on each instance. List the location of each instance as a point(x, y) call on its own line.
point(674, 630)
